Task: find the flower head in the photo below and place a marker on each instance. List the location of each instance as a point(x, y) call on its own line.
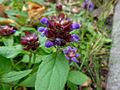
point(6, 30)
point(58, 30)
point(30, 41)
point(87, 4)
point(59, 7)
point(71, 54)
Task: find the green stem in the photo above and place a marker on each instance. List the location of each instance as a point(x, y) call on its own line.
point(30, 58)
point(13, 64)
point(34, 58)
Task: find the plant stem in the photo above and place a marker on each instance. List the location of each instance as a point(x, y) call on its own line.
point(30, 58)
point(13, 65)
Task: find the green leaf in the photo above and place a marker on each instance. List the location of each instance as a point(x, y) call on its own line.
point(38, 59)
point(39, 1)
point(4, 87)
point(72, 86)
point(30, 81)
point(77, 77)
point(52, 73)
point(108, 40)
point(14, 76)
point(27, 29)
point(16, 12)
point(8, 41)
point(5, 65)
point(10, 51)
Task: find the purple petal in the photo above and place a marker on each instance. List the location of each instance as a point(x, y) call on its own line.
point(74, 49)
point(75, 38)
point(65, 51)
point(83, 4)
point(91, 6)
point(49, 44)
point(13, 30)
point(69, 48)
point(77, 55)
point(74, 59)
point(58, 41)
point(44, 21)
point(67, 58)
point(86, 0)
point(75, 26)
point(41, 29)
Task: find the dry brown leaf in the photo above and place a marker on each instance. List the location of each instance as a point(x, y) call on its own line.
point(35, 12)
point(87, 83)
point(9, 21)
point(2, 13)
point(76, 9)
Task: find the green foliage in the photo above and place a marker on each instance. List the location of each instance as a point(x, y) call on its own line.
point(8, 41)
point(77, 77)
point(5, 65)
point(30, 81)
point(47, 68)
point(14, 76)
point(10, 51)
point(52, 73)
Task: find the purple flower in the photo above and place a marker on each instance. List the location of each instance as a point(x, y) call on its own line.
point(71, 54)
point(87, 4)
point(49, 44)
point(44, 21)
point(30, 41)
point(41, 29)
point(75, 38)
point(75, 26)
point(91, 6)
point(6, 30)
point(58, 30)
point(59, 7)
point(74, 59)
point(77, 55)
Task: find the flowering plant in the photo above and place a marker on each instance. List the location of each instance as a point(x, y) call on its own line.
point(52, 46)
point(58, 30)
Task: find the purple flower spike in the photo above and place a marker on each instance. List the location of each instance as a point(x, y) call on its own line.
point(75, 38)
point(44, 21)
point(75, 26)
point(49, 44)
point(88, 5)
point(71, 54)
point(41, 29)
point(58, 29)
point(30, 41)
